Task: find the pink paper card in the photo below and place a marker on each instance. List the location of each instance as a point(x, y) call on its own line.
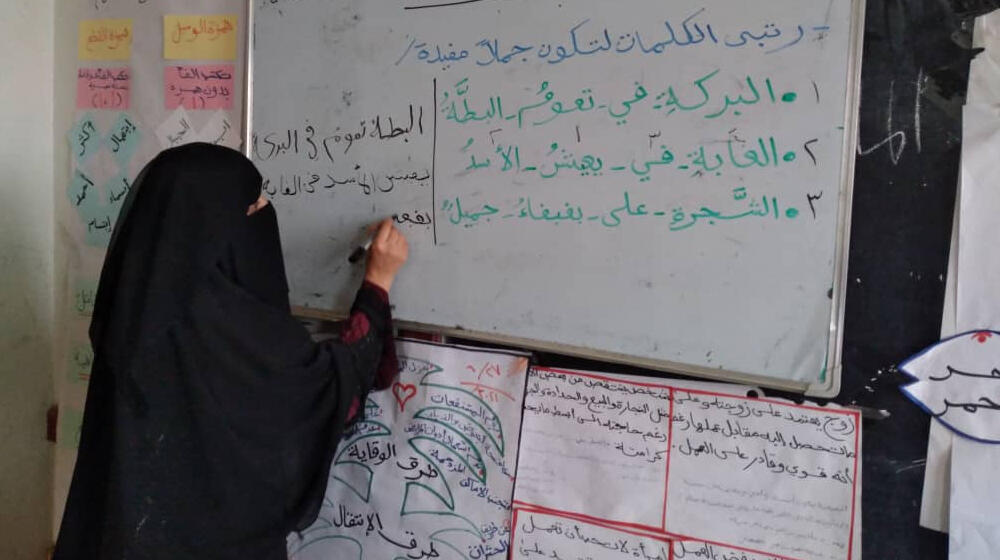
point(103, 88)
point(194, 87)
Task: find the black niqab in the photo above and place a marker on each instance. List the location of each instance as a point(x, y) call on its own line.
point(211, 416)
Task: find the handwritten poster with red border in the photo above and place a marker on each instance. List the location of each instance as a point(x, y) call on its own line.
point(755, 475)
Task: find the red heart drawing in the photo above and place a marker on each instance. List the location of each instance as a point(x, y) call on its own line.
point(403, 393)
point(982, 336)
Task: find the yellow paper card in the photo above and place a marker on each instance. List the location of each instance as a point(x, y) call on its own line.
point(199, 37)
point(105, 39)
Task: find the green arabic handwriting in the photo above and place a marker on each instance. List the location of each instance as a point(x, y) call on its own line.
point(545, 107)
point(680, 219)
point(735, 152)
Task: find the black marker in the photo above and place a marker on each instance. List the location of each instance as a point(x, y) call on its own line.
point(359, 252)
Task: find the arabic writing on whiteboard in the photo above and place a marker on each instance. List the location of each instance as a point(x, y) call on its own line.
point(680, 219)
point(701, 96)
point(735, 155)
point(522, 133)
point(587, 38)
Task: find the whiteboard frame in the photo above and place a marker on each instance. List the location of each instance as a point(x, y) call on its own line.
point(834, 366)
point(248, 82)
point(828, 387)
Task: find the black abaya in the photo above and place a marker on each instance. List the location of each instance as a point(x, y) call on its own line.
point(211, 417)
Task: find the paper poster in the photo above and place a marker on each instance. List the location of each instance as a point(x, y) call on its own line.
point(200, 37)
point(984, 90)
point(974, 532)
point(764, 476)
point(697, 550)
point(957, 381)
point(759, 476)
point(79, 360)
point(104, 39)
point(84, 139)
point(208, 86)
point(538, 535)
point(123, 139)
point(97, 208)
point(935, 499)
point(978, 264)
point(104, 88)
point(220, 130)
point(70, 422)
point(578, 428)
point(429, 472)
point(176, 130)
point(83, 298)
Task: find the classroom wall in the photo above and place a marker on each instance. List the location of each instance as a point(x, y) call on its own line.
point(67, 257)
point(26, 276)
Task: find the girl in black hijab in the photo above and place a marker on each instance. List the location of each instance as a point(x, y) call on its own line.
point(211, 416)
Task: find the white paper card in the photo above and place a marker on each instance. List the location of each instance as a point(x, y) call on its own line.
point(958, 382)
point(176, 130)
point(220, 130)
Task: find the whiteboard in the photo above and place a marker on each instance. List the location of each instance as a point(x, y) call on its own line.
point(664, 184)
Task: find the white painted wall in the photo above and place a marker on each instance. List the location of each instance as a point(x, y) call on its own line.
point(67, 256)
point(26, 275)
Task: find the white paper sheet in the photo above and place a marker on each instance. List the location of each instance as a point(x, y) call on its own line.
point(983, 90)
point(975, 531)
point(221, 130)
point(763, 475)
point(935, 497)
point(978, 260)
point(429, 472)
point(984, 80)
point(936, 500)
point(958, 382)
point(755, 475)
point(856, 539)
point(984, 70)
point(595, 445)
point(578, 419)
point(949, 322)
point(955, 461)
point(986, 31)
point(548, 535)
